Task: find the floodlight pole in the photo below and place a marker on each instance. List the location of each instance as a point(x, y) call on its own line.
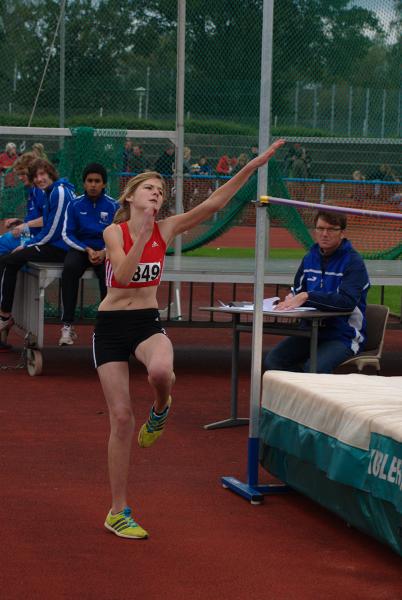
point(181, 45)
point(62, 63)
point(250, 489)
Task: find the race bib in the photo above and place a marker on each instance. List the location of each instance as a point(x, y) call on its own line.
point(146, 272)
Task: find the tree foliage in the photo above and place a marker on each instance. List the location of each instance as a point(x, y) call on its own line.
point(110, 44)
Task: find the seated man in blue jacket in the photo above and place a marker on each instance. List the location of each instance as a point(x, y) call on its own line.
point(84, 222)
point(47, 245)
point(332, 276)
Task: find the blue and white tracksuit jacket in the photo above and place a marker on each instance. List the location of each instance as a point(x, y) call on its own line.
point(340, 284)
point(34, 208)
point(57, 198)
point(85, 221)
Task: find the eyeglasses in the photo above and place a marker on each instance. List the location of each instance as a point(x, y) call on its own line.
point(329, 230)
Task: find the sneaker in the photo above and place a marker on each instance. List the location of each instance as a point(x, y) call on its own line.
point(68, 336)
point(123, 525)
point(153, 428)
point(6, 324)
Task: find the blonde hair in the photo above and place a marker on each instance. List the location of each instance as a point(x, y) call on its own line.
point(123, 213)
point(242, 158)
point(24, 161)
point(39, 150)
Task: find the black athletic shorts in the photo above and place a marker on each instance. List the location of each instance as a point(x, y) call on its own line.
point(118, 333)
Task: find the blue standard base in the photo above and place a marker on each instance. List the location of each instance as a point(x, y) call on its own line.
point(254, 493)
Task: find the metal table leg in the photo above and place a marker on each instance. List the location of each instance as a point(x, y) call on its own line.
point(234, 420)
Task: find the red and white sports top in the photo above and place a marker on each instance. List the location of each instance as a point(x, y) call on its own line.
point(150, 267)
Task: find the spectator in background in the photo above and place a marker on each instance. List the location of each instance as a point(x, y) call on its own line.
point(84, 223)
point(358, 176)
point(383, 172)
point(254, 151)
point(187, 166)
point(127, 155)
point(35, 197)
point(165, 163)
point(48, 245)
point(387, 174)
point(298, 168)
point(224, 167)
point(7, 159)
point(242, 160)
point(204, 168)
point(297, 152)
point(39, 150)
point(359, 192)
point(10, 240)
point(138, 162)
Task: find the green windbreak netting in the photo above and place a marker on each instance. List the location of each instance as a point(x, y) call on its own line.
point(375, 238)
point(87, 145)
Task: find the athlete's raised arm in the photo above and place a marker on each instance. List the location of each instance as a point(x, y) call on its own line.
point(177, 224)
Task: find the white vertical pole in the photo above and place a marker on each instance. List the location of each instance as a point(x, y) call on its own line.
point(62, 64)
point(384, 104)
point(350, 110)
point(181, 41)
point(333, 92)
point(315, 105)
point(262, 226)
point(296, 104)
point(366, 114)
point(147, 92)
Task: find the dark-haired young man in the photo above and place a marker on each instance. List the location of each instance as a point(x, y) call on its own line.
point(84, 222)
point(332, 276)
point(47, 245)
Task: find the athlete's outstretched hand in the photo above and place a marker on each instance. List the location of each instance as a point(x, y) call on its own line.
point(264, 157)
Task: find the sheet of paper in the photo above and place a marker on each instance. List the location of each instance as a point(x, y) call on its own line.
point(268, 306)
point(300, 309)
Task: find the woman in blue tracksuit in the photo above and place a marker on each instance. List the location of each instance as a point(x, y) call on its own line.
point(47, 245)
point(332, 276)
point(35, 198)
point(84, 222)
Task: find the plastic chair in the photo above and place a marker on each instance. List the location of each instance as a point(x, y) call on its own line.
point(377, 317)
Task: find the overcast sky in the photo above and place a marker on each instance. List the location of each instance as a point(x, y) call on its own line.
point(385, 10)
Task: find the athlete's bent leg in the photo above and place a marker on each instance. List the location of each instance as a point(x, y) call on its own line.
point(156, 353)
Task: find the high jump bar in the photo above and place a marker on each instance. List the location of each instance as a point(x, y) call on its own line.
point(329, 207)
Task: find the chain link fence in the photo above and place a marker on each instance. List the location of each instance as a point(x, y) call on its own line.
point(111, 65)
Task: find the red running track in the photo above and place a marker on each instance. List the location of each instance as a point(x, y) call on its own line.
point(205, 542)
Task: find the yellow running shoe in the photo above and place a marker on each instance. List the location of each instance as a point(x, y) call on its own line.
point(123, 525)
point(153, 428)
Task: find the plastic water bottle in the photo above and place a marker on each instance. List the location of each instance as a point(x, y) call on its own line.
point(25, 236)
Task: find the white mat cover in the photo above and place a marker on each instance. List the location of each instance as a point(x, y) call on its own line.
point(347, 407)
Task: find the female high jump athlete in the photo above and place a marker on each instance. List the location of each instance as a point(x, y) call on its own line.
point(128, 319)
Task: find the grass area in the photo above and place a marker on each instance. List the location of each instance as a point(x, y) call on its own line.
point(392, 297)
point(392, 294)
